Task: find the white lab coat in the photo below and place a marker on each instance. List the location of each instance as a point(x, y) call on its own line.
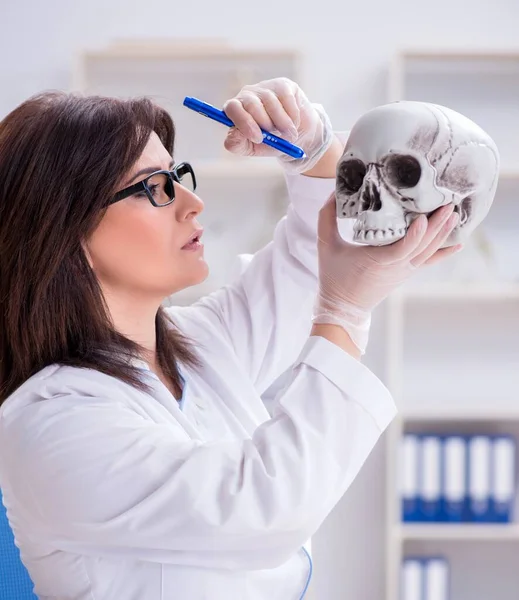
point(117, 495)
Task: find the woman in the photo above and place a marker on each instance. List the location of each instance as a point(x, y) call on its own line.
point(137, 459)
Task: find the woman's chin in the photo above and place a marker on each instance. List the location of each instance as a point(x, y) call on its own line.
point(203, 274)
point(198, 273)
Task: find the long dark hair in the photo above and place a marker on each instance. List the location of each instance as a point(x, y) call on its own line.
point(62, 157)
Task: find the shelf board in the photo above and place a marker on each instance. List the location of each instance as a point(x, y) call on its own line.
point(184, 52)
point(458, 532)
point(509, 174)
point(456, 291)
point(460, 414)
point(464, 54)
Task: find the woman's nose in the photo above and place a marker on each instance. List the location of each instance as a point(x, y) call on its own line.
point(187, 204)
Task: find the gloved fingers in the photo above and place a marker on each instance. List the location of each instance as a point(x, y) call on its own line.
point(438, 240)
point(327, 230)
point(274, 106)
point(435, 224)
point(259, 107)
point(252, 103)
point(442, 254)
point(289, 94)
point(279, 106)
point(243, 120)
point(293, 101)
point(417, 242)
point(405, 247)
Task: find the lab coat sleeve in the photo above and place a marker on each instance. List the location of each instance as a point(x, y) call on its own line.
point(265, 314)
point(99, 479)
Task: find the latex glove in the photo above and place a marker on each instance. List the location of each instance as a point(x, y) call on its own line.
point(354, 279)
point(280, 107)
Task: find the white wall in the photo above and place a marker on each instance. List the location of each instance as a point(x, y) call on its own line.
point(346, 47)
point(346, 44)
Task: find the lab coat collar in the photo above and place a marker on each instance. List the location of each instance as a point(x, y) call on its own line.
point(144, 366)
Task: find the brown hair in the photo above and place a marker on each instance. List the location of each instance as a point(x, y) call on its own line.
point(62, 157)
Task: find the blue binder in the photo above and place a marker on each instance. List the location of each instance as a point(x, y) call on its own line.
point(502, 478)
point(430, 478)
point(480, 477)
point(454, 479)
point(409, 471)
point(457, 478)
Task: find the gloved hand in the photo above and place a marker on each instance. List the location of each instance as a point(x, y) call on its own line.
point(354, 279)
point(280, 107)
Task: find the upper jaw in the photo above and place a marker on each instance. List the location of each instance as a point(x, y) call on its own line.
point(379, 228)
point(377, 237)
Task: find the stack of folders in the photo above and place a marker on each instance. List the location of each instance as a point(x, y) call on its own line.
point(425, 579)
point(457, 478)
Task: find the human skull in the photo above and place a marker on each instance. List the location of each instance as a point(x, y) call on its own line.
point(409, 158)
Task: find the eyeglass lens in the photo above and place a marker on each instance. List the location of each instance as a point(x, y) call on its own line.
point(161, 187)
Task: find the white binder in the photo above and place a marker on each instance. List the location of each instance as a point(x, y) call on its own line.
point(430, 476)
point(503, 477)
point(409, 476)
point(455, 477)
point(436, 574)
point(480, 477)
point(412, 580)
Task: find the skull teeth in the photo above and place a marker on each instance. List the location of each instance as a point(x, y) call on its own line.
point(371, 235)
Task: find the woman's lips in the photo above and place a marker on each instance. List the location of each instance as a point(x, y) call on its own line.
point(194, 245)
point(194, 242)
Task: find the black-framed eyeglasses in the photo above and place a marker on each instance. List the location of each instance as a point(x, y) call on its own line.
point(159, 187)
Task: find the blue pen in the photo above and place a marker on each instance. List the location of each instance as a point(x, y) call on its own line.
point(218, 115)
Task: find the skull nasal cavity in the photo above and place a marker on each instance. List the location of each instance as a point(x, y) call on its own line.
point(371, 199)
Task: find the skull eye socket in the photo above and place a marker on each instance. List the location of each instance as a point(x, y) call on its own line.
point(351, 174)
point(403, 171)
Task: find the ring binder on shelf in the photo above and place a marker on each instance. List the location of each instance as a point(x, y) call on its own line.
point(430, 478)
point(409, 469)
point(454, 480)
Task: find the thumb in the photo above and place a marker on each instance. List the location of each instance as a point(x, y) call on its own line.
point(236, 143)
point(327, 230)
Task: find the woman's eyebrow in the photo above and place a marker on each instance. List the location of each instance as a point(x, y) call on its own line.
point(148, 171)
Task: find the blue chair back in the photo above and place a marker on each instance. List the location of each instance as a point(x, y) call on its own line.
point(15, 583)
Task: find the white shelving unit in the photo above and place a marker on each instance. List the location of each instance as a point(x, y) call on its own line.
point(452, 353)
point(169, 71)
point(244, 198)
point(462, 401)
point(479, 84)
